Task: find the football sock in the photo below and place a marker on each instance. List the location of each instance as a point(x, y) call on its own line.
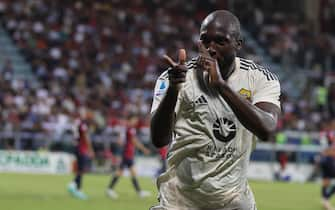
point(324, 192)
point(328, 191)
point(331, 190)
point(113, 182)
point(135, 183)
point(77, 180)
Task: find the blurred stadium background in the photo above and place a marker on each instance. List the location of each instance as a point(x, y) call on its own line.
point(103, 57)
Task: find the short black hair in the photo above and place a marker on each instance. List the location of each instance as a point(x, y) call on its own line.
point(227, 18)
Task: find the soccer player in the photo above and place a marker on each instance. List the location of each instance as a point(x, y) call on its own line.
point(117, 138)
point(163, 155)
point(83, 153)
point(128, 159)
point(212, 109)
point(327, 165)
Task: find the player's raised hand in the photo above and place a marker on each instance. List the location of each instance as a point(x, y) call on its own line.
point(177, 71)
point(209, 64)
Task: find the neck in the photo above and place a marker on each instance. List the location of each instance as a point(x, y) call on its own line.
point(226, 71)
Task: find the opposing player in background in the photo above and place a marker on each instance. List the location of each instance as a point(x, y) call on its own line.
point(117, 140)
point(212, 108)
point(83, 152)
point(127, 161)
point(327, 165)
point(162, 155)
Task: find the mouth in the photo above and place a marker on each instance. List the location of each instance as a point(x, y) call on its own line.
point(213, 55)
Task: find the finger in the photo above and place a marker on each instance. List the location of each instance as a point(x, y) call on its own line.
point(205, 62)
point(210, 66)
point(182, 56)
point(170, 61)
point(213, 71)
point(176, 74)
point(178, 80)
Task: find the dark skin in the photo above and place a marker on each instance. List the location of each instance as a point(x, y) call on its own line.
point(218, 46)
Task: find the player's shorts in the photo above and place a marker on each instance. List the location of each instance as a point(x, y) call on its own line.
point(172, 198)
point(328, 167)
point(82, 162)
point(127, 163)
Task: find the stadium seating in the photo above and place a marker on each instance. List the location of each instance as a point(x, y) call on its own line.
point(103, 58)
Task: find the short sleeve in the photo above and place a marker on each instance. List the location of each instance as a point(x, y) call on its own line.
point(161, 87)
point(267, 89)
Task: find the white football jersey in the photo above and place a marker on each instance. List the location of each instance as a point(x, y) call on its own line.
point(209, 154)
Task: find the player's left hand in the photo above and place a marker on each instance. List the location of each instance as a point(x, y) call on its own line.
point(177, 71)
point(209, 64)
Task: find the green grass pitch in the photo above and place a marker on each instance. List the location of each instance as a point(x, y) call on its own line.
point(48, 192)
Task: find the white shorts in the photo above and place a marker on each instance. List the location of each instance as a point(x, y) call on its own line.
point(172, 198)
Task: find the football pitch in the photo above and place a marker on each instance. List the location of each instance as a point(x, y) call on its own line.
point(48, 192)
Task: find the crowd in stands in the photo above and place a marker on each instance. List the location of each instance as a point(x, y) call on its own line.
point(298, 44)
point(102, 58)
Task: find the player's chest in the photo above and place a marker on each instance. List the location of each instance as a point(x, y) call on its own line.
point(203, 101)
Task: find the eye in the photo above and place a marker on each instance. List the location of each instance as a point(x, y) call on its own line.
point(205, 41)
point(222, 40)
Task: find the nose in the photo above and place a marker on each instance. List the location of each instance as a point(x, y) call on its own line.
point(212, 53)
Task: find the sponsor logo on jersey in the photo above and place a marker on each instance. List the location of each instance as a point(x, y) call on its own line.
point(219, 152)
point(224, 130)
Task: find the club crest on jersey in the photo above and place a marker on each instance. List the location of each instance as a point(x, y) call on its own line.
point(245, 93)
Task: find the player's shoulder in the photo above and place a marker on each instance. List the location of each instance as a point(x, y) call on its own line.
point(191, 65)
point(164, 75)
point(257, 69)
